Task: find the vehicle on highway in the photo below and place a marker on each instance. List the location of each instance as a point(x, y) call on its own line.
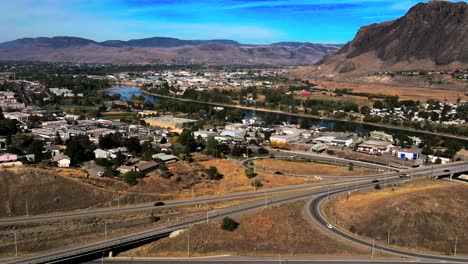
point(159, 203)
point(404, 175)
point(278, 172)
point(446, 170)
point(375, 180)
point(329, 226)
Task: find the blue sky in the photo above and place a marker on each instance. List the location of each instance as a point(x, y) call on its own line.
point(256, 21)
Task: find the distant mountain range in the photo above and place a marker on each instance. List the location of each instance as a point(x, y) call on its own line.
point(163, 50)
point(431, 35)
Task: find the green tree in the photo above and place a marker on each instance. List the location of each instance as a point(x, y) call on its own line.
point(103, 162)
point(365, 110)
point(378, 104)
point(147, 151)
point(131, 177)
point(187, 140)
point(250, 173)
point(58, 139)
point(132, 144)
point(36, 148)
point(213, 147)
point(79, 149)
point(213, 174)
point(229, 224)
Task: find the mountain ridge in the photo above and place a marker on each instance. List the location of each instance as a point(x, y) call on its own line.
point(163, 50)
point(429, 36)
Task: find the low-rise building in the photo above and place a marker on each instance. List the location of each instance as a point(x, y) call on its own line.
point(375, 147)
point(434, 159)
point(16, 115)
point(147, 166)
point(8, 157)
point(62, 161)
point(409, 154)
point(165, 157)
point(342, 141)
point(380, 135)
point(168, 122)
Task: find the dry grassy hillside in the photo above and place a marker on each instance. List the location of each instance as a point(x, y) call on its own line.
point(276, 231)
point(47, 190)
point(423, 215)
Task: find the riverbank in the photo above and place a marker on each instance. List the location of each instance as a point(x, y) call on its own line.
point(301, 115)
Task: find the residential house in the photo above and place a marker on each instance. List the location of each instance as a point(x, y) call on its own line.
point(62, 161)
point(8, 157)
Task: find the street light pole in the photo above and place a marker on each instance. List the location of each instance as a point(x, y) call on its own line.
point(16, 245)
point(206, 212)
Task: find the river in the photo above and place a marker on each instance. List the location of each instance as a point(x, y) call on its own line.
point(126, 93)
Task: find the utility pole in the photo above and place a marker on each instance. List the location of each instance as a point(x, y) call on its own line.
point(193, 195)
point(455, 249)
point(16, 245)
point(27, 211)
point(188, 245)
point(105, 230)
point(206, 212)
point(372, 250)
point(388, 237)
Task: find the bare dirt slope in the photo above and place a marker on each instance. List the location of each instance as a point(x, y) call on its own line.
point(431, 35)
point(310, 168)
point(422, 215)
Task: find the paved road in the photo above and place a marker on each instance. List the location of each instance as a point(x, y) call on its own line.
point(258, 260)
point(74, 254)
point(212, 198)
point(315, 212)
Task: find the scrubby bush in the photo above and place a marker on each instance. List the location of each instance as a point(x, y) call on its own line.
point(256, 183)
point(213, 174)
point(229, 224)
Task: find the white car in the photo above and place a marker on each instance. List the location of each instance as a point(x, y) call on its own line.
point(329, 226)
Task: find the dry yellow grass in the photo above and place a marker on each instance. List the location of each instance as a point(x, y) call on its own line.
point(404, 92)
point(55, 190)
point(309, 168)
point(234, 179)
point(422, 215)
point(279, 230)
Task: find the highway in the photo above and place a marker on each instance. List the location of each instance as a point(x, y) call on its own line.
point(314, 210)
point(203, 199)
point(215, 198)
point(95, 249)
point(258, 260)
